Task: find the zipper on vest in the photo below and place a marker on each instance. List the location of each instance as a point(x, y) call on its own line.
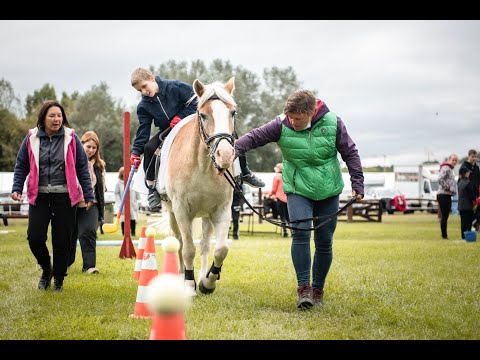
point(294, 182)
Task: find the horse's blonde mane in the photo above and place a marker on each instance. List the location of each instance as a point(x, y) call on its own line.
point(216, 88)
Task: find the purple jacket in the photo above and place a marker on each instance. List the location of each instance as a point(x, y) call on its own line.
point(271, 132)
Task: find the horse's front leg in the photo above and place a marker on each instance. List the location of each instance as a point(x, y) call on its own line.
point(188, 250)
point(178, 236)
point(221, 223)
point(207, 231)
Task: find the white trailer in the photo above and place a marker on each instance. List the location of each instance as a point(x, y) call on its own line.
point(419, 184)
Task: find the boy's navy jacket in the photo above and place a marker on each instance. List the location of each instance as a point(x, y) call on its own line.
point(169, 102)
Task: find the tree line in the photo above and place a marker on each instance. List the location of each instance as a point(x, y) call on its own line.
point(259, 98)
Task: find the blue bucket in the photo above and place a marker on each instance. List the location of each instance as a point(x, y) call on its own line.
point(470, 236)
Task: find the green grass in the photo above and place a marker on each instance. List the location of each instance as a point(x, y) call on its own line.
point(392, 280)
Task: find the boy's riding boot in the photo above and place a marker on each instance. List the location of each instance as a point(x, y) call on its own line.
point(46, 277)
point(252, 180)
point(154, 201)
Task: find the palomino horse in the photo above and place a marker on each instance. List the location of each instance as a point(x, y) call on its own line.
point(200, 153)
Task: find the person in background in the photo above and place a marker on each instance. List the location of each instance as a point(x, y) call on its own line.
point(88, 220)
point(474, 169)
point(165, 102)
point(446, 189)
point(51, 156)
point(466, 200)
point(119, 191)
point(280, 198)
point(310, 136)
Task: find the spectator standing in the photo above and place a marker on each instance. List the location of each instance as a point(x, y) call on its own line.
point(466, 200)
point(447, 188)
point(88, 220)
point(119, 191)
point(279, 196)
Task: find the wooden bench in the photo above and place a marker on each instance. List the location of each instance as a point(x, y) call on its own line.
point(370, 210)
point(10, 210)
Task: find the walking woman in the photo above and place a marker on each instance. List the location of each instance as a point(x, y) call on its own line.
point(51, 156)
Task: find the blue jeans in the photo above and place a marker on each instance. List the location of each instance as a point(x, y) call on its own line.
point(299, 208)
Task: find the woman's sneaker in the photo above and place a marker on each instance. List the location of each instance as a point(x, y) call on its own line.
point(305, 297)
point(92, 270)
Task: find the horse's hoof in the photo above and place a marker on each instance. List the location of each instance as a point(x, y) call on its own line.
point(205, 290)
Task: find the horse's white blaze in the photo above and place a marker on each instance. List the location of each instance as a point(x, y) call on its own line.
point(225, 152)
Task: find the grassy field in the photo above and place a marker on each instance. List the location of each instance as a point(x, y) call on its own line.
point(392, 280)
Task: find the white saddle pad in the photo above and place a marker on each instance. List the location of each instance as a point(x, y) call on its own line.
point(167, 144)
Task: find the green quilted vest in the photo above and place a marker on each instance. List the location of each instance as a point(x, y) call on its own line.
point(310, 164)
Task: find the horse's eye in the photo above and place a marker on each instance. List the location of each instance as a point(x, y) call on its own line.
point(203, 117)
point(234, 113)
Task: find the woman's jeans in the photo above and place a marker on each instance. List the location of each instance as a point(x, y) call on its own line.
point(299, 208)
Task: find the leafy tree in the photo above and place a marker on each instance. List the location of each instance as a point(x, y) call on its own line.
point(12, 134)
point(8, 100)
point(258, 100)
point(33, 102)
point(96, 110)
point(68, 102)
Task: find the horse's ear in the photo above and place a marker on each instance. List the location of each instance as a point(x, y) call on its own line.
point(230, 85)
point(199, 88)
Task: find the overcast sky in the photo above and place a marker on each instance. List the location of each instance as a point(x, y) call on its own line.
point(408, 91)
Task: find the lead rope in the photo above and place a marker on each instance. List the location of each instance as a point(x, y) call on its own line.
point(328, 217)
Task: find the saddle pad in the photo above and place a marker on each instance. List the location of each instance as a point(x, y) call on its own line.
point(167, 144)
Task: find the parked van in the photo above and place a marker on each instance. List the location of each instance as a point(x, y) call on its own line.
point(419, 184)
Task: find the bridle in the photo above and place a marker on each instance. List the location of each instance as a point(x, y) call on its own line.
point(213, 140)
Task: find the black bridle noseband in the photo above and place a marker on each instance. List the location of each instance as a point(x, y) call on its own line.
point(213, 141)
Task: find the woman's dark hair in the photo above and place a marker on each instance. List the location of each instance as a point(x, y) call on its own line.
point(43, 113)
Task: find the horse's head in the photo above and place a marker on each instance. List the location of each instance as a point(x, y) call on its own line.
point(216, 116)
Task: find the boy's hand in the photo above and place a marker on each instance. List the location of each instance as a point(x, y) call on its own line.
point(174, 121)
point(135, 160)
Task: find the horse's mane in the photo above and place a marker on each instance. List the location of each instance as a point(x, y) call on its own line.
point(215, 88)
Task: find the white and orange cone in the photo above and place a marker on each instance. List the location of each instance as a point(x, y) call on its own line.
point(148, 272)
point(170, 247)
point(167, 300)
point(141, 247)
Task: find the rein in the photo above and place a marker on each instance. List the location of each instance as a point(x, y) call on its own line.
point(329, 217)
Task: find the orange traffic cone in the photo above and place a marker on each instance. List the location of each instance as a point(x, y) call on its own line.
point(141, 246)
point(170, 247)
point(167, 300)
point(148, 272)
